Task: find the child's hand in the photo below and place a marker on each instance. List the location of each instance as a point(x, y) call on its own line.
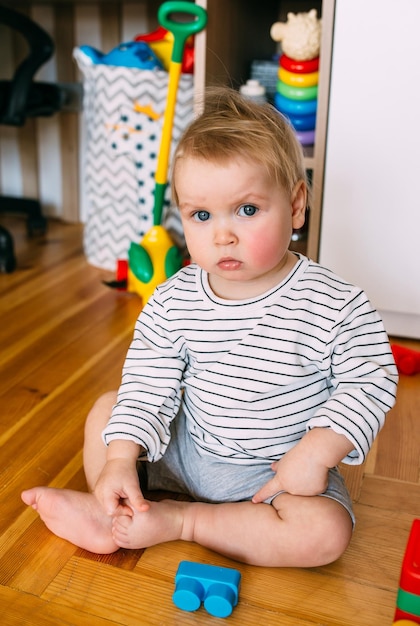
point(303, 471)
point(297, 476)
point(118, 488)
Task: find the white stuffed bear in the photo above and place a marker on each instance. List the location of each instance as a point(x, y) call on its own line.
point(300, 36)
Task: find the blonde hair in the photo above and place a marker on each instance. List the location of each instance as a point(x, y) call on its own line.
point(232, 126)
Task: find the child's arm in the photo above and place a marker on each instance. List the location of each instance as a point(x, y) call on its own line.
point(361, 377)
point(119, 481)
point(149, 396)
point(304, 469)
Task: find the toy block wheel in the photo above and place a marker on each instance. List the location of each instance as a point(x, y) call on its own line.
point(189, 594)
point(220, 600)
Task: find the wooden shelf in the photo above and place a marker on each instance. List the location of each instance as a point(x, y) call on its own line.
point(238, 33)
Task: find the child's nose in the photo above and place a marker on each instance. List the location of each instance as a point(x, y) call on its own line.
point(224, 235)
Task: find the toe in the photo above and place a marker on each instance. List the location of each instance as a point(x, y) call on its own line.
point(29, 497)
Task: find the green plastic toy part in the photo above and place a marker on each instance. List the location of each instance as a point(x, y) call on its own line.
point(181, 30)
point(140, 263)
point(142, 267)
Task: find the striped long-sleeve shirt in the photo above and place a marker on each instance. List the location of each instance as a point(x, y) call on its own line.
point(253, 376)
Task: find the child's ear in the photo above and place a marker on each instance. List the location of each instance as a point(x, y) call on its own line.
point(299, 201)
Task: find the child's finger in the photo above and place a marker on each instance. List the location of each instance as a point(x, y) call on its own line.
point(111, 504)
point(124, 509)
point(141, 504)
point(137, 501)
point(268, 490)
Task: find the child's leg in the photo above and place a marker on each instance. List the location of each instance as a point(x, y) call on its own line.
point(72, 515)
point(94, 449)
point(293, 532)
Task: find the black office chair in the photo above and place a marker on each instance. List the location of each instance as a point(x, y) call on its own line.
point(21, 98)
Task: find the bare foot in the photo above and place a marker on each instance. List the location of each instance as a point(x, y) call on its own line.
point(74, 516)
point(163, 521)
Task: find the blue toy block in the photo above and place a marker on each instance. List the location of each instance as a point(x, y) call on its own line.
point(217, 587)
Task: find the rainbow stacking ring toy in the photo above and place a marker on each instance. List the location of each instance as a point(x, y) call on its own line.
point(297, 95)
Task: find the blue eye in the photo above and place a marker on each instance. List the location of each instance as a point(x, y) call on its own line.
point(201, 216)
point(247, 210)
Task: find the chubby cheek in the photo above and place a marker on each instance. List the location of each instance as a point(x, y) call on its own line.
point(266, 249)
point(198, 244)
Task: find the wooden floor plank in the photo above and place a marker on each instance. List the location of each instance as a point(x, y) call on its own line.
point(98, 589)
point(392, 495)
point(36, 256)
point(76, 340)
point(353, 476)
point(43, 313)
point(337, 588)
point(374, 555)
point(20, 609)
point(53, 433)
point(70, 476)
point(32, 569)
point(399, 444)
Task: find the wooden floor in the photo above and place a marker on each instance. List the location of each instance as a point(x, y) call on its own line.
point(63, 337)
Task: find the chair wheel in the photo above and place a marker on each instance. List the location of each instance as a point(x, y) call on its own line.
point(7, 254)
point(7, 264)
point(36, 225)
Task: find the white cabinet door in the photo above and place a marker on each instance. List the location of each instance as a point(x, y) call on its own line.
point(370, 231)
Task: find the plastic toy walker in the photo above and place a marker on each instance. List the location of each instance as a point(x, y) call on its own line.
point(156, 258)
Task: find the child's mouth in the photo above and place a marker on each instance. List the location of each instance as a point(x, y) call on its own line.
point(229, 264)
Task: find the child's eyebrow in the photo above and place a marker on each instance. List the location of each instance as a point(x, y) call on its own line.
point(187, 206)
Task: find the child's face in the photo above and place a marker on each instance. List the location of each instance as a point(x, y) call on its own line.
point(238, 224)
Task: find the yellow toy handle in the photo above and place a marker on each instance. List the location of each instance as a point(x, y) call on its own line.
point(181, 31)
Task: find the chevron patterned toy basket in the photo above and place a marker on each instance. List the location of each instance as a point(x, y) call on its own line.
point(123, 115)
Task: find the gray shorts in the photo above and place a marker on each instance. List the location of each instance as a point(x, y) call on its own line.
point(185, 469)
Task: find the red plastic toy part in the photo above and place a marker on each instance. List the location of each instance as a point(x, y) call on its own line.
point(407, 360)
point(122, 269)
point(410, 573)
point(408, 597)
point(161, 42)
point(299, 67)
point(403, 619)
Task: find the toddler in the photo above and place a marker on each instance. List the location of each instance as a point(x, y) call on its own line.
point(252, 372)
